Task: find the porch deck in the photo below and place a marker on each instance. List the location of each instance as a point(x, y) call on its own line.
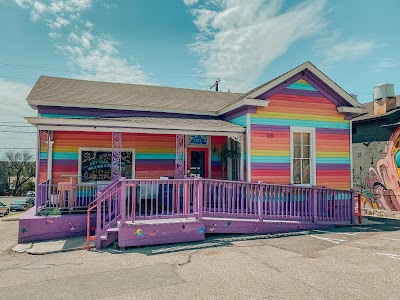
point(148, 212)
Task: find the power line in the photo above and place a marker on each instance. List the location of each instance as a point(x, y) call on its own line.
point(1, 131)
point(17, 148)
point(14, 126)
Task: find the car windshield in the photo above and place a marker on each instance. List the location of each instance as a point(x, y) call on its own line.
point(20, 201)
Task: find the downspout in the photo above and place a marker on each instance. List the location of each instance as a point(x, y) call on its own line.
point(50, 143)
point(351, 154)
point(37, 172)
point(241, 158)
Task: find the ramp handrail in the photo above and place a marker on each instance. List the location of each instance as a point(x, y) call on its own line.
point(108, 212)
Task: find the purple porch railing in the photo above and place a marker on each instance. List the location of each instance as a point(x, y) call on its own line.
point(152, 199)
point(53, 198)
point(108, 211)
point(127, 200)
point(265, 201)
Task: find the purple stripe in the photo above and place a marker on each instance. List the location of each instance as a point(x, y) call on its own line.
point(43, 162)
point(111, 113)
point(270, 127)
point(152, 162)
point(332, 131)
point(279, 87)
point(333, 167)
point(216, 163)
point(270, 166)
point(301, 93)
point(328, 92)
point(240, 112)
point(65, 162)
point(348, 116)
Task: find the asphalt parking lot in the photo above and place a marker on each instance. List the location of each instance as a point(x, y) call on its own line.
point(360, 262)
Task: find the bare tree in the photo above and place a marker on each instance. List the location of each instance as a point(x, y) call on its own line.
point(20, 164)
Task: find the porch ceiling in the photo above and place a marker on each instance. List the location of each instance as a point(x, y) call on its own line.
point(139, 124)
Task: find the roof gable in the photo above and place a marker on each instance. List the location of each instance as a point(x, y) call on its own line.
point(307, 79)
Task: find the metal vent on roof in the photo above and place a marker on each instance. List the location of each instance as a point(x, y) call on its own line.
point(383, 90)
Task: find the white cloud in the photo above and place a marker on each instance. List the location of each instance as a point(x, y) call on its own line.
point(98, 60)
point(190, 2)
point(58, 23)
point(333, 49)
point(238, 38)
point(387, 63)
point(95, 56)
point(13, 109)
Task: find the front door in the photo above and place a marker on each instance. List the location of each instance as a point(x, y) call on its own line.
point(198, 162)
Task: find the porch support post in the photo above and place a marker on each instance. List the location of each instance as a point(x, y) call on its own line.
point(242, 158)
point(180, 156)
point(248, 147)
point(116, 155)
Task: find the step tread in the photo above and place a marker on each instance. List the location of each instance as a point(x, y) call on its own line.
point(112, 229)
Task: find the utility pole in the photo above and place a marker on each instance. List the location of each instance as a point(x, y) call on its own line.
point(216, 84)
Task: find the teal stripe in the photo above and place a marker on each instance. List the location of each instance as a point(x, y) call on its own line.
point(65, 155)
point(333, 160)
point(270, 159)
point(155, 156)
point(301, 86)
point(43, 155)
point(215, 158)
point(239, 120)
point(66, 116)
point(301, 123)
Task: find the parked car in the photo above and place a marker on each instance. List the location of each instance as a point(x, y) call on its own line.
point(30, 194)
point(4, 210)
point(31, 201)
point(20, 205)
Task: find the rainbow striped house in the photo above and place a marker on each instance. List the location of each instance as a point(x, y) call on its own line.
point(294, 130)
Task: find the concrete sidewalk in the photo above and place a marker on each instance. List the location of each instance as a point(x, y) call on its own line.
point(53, 246)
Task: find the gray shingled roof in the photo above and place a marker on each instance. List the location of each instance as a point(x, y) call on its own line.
point(369, 107)
point(72, 92)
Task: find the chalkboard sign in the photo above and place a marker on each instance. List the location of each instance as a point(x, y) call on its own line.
point(96, 165)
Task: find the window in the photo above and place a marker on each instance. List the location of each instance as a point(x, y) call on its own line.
point(302, 151)
point(95, 164)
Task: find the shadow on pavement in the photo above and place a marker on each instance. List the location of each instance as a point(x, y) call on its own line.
point(224, 240)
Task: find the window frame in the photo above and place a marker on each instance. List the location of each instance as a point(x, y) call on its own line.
point(311, 131)
point(133, 150)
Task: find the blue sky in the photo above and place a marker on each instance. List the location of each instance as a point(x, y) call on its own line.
point(190, 43)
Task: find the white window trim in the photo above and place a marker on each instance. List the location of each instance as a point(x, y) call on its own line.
point(105, 149)
point(313, 160)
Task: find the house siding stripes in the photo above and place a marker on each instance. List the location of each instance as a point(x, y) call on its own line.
point(301, 105)
point(154, 154)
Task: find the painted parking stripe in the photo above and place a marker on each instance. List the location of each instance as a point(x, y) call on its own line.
point(335, 241)
point(391, 255)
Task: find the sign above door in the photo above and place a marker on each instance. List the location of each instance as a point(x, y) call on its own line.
point(198, 140)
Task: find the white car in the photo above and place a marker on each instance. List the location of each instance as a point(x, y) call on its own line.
point(30, 194)
point(4, 210)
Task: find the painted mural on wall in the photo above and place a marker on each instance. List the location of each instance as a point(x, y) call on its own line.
point(383, 180)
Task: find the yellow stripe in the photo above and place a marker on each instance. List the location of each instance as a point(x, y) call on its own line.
point(270, 153)
point(290, 116)
point(302, 81)
point(333, 154)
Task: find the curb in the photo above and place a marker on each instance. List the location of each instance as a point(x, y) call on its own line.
point(11, 218)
